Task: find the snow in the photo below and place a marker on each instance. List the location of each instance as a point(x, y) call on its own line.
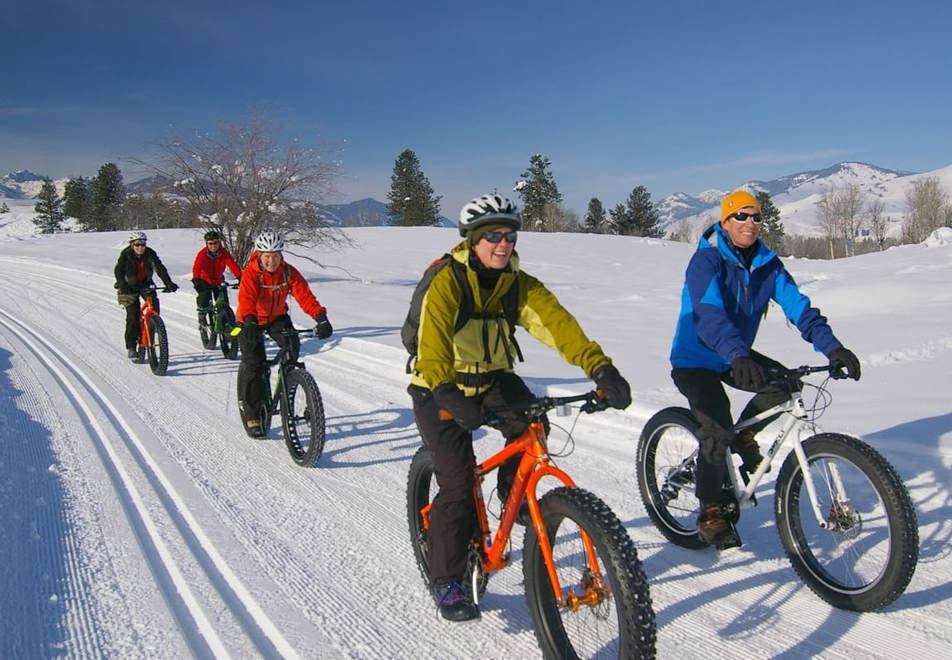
point(140, 521)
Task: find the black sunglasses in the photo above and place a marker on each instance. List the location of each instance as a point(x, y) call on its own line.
point(497, 236)
point(756, 218)
point(138, 244)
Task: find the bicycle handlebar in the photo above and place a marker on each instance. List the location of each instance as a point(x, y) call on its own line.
point(594, 401)
point(787, 376)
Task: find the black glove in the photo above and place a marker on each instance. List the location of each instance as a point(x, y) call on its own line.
point(200, 285)
point(844, 359)
point(747, 374)
point(251, 330)
point(171, 287)
point(616, 389)
point(465, 411)
point(323, 329)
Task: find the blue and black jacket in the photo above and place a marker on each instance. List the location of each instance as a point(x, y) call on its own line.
point(724, 300)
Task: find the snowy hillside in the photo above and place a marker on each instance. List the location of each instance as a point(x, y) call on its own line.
point(139, 521)
point(797, 195)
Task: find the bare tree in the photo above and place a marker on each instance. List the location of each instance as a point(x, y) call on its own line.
point(555, 217)
point(829, 218)
point(241, 180)
point(849, 206)
point(928, 209)
point(877, 223)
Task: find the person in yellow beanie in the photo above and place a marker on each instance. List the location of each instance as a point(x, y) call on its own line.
point(729, 282)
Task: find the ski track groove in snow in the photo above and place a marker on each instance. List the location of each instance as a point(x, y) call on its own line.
point(190, 611)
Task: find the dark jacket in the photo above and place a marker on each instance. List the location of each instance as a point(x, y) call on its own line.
point(132, 271)
point(723, 302)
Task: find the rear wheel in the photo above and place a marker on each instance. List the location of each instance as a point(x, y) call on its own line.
point(666, 465)
point(302, 416)
point(864, 554)
point(604, 605)
point(229, 344)
point(421, 489)
point(158, 352)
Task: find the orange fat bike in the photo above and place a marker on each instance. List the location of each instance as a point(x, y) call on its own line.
point(153, 339)
point(585, 587)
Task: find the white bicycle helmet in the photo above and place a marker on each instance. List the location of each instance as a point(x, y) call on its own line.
point(269, 241)
point(137, 236)
point(488, 209)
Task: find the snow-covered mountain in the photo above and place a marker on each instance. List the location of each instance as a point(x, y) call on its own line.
point(796, 195)
point(24, 184)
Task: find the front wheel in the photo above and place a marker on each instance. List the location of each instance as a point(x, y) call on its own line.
point(604, 605)
point(158, 352)
point(206, 330)
point(864, 553)
point(302, 416)
point(228, 344)
point(666, 466)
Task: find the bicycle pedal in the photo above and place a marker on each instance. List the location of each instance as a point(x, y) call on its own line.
point(730, 540)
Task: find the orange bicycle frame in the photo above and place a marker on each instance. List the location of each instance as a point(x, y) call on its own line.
point(146, 312)
point(533, 466)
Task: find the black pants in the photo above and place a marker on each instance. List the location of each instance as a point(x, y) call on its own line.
point(704, 390)
point(453, 514)
point(251, 370)
point(203, 296)
point(133, 320)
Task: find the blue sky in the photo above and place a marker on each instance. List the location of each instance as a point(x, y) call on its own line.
point(675, 96)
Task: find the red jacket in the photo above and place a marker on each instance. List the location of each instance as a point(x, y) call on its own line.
point(210, 269)
point(265, 295)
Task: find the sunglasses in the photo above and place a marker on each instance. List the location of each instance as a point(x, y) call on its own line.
point(498, 236)
point(213, 242)
point(756, 218)
point(138, 244)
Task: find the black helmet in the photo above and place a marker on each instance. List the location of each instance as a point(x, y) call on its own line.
point(212, 235)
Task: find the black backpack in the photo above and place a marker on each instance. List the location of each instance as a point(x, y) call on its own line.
point(411, 325)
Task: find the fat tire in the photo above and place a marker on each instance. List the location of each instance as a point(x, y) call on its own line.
point(304, 437)
point(680, 530)
point(228, 344)
point(618, 559)
point(419, 480)
point(158, 352)
point(903, 536)
point(206, 330)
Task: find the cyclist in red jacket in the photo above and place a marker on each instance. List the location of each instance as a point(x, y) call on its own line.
point(208, 270)
point(262, 306)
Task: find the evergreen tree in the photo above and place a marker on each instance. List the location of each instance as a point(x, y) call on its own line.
point(537, 188)
point(595, 221)
point(620, 221)
point(76, 202)
point(4, 208)
point(108, 194)
point(642, 214)
point(412, 202)
point(771, 231)
point(49, 209)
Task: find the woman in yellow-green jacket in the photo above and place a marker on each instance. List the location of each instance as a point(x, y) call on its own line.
point(465, 353)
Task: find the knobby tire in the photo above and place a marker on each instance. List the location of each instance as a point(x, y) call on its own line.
point(158, 352)
point(865, 562)
point(303, 418)
point(622, 623)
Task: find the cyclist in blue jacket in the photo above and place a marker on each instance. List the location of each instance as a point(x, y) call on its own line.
point(729, 281)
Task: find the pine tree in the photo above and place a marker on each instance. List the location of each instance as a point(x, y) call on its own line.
point(537, 188)
point(595, 221)
point(76, 202)
point(642, 214)
point(108, 194)
point(49, 209)
point(4, 208)
point(620, 221)
point(771, 231)
point(412, 202)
